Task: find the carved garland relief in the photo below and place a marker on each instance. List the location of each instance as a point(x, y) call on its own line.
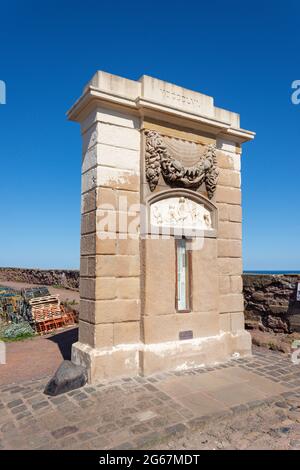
point(159, 161)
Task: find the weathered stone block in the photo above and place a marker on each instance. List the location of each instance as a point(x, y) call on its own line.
point(90, 137)
point(88, 222)
point(129, 246)
point(118, 222)
point(118, 179)
point(132, 199)
point(229, 178)
point(103, 365)
point(225, 160)
point(127, 265)
point(231, 266)
point(128, 288)
point(87, 266)
point(106, 265)
point(231, 230)
point(235, 213)
point(87, 244)
point(236, 284)
point(228, 195)
point(159, 290)
point(225, 323)
point(100, 288)
point(231, 303)
point(223, 211)
point(96, 336)
point(169, 326)
point(89, 180)
point(237, 321)
point(224, 284)
point(89, 159)
point(119, 136)
point(127, 332)
point(106, 243)
point(229, 248)
point(116, 117)
point(89, 201)
point(117, 157)
point(109, 311)
point(107, 198)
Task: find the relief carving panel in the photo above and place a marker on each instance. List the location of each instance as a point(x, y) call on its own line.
point(162, 159)
point(180, 212)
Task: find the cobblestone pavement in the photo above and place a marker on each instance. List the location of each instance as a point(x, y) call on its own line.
point(249, 403)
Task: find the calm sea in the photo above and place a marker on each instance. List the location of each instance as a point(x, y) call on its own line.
point(272, 272)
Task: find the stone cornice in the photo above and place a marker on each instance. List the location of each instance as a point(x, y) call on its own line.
point(147, 107)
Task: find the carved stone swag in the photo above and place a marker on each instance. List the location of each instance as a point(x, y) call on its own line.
point(159, 161)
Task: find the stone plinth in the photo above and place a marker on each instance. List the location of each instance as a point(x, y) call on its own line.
point(160, 164)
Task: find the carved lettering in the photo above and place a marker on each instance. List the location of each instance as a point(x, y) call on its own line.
point(182, 98)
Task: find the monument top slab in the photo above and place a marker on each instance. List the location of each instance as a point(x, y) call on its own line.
point(149, 95)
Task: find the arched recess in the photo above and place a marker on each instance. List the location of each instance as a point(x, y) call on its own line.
point(181, 208)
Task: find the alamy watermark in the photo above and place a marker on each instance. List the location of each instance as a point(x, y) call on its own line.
point(2, 92)
point(132, 221)
point(295, 96)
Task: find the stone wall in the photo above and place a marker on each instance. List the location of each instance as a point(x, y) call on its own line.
point(270, 302)
point(63, 277)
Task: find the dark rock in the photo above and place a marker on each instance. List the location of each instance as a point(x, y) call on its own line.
point(259, 296)
point(278, 324)
point(68, 377)
point(278, 309)
point(271, 302)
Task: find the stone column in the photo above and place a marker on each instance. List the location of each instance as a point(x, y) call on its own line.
point(110, 262)
point(230, 265)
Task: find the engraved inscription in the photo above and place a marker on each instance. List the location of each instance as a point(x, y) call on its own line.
point(180, 98)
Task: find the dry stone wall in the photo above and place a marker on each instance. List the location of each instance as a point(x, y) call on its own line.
point(271, 302)
point(62, 277)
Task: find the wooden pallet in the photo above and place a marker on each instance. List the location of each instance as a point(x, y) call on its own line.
point(44, 300)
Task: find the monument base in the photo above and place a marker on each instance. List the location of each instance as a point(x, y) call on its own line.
point(107, 363)
point(127, 360)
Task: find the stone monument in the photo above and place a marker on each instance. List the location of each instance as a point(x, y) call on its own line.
point(161, 259)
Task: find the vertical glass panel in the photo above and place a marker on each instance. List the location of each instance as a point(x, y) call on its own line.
point(182, 275)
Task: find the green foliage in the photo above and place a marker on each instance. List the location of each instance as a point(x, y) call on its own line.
point(70, 302)
point(17, 331)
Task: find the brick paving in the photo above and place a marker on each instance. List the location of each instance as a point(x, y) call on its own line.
point(249, 403)
point(38, 357)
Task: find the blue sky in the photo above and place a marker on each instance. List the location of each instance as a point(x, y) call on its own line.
point(245, 56)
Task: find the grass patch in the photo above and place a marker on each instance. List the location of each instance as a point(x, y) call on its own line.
point(16, 332)
point(17, 338)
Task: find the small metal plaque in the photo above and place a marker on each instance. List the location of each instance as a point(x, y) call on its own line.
point(186, 334)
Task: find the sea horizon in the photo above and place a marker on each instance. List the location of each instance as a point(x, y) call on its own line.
point(257, 271)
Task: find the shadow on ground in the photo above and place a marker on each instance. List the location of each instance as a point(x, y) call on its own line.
point(64, 341)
